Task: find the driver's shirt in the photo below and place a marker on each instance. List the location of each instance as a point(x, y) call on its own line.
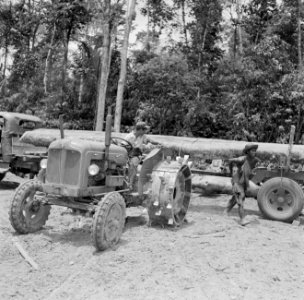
point(137, 142)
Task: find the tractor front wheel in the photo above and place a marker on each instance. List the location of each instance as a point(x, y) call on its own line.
point(281, 199)
point(109, 221)
point(27, 212)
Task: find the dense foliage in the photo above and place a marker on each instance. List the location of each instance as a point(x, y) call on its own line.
point(235, 75)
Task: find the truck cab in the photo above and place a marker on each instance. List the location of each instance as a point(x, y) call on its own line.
point(19, 158)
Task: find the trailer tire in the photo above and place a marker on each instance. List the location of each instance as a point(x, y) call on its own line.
point(108, 221)
point(27, 214)
point(281, 199)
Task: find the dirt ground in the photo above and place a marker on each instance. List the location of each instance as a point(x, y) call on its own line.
point(210, 257)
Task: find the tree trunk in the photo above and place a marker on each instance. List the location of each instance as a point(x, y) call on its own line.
point(200, 148)
point(123, 65)
point(184, 22)
point(64, 65)
point(5, 56)
point(34, 36)
point(300, 63)
point(201, 50)
point(213, 184)
point(81, 88)
point(81, 83)
point(104, 71)
point(239, 28)
point(203, 40)
point(48, 63)
point(147, 46)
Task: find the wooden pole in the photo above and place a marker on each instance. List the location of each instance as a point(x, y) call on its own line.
point(291, 138)
point(25, 254)
point(61, 126)
point(123, 65)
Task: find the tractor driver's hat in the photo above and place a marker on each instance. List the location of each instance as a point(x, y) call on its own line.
point(141, 125)
point(248, 147)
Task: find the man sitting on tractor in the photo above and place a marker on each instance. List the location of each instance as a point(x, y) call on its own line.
point(241, 172)
point(140, 142)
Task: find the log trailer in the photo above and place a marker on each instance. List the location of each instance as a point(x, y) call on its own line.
point(278, 188)
point(92, 177)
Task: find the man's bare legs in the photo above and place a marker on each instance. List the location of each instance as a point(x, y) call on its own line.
point(134, 162)
point(231, 203)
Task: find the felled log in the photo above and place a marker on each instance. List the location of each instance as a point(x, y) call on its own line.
point(200, 148)
point(212, 184)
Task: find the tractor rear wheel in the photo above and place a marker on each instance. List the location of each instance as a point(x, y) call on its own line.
point(281, 199)
point(27, 213)
point(170, 194)
point(109, 221)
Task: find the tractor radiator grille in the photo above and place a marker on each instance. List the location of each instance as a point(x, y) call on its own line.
point(71, 170)
point(53, 166)
point(63, 166)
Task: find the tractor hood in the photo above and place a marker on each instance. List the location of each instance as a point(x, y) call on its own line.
point(117, 154)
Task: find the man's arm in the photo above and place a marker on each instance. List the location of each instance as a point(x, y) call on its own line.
point(148, 140)
point(148, 143)
point(238, 160)
point(130, 138)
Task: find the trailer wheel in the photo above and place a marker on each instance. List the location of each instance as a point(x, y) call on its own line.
point(27, 213)
point(281, 199)
point(109, 221)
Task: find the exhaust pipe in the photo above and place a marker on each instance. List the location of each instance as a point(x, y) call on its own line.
point(61, 126)
point(108, 134)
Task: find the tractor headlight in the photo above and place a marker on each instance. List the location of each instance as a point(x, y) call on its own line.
point(43, 163)
point(93, 169)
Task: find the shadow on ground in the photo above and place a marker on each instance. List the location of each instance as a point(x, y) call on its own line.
point(75, 236)
point(218, 210)
point(135, 221)
point(8, 185)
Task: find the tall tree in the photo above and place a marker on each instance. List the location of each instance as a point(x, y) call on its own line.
point(6, 25)
point(71, 16)
point(259, 18)
point(123, 65)
point(105, 62)
point(50, 51)
point(64, 18)
point(239, 27)
point(111, 15)
point(299, 22)
point(158, 13)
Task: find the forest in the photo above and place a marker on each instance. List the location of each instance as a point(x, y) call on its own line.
point(234, 72)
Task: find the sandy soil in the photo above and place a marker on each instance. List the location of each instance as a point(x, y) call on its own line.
point(210, 257)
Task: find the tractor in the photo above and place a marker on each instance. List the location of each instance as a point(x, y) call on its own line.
point(92, 177)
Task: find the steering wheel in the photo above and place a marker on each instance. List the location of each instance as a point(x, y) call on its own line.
point(122, 143)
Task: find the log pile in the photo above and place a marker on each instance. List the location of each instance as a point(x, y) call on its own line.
point(197, 148)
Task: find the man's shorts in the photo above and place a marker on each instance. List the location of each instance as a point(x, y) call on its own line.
point(134, 161)
point(239, 192)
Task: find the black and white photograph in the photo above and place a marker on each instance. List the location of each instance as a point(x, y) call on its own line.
point(151, 149)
